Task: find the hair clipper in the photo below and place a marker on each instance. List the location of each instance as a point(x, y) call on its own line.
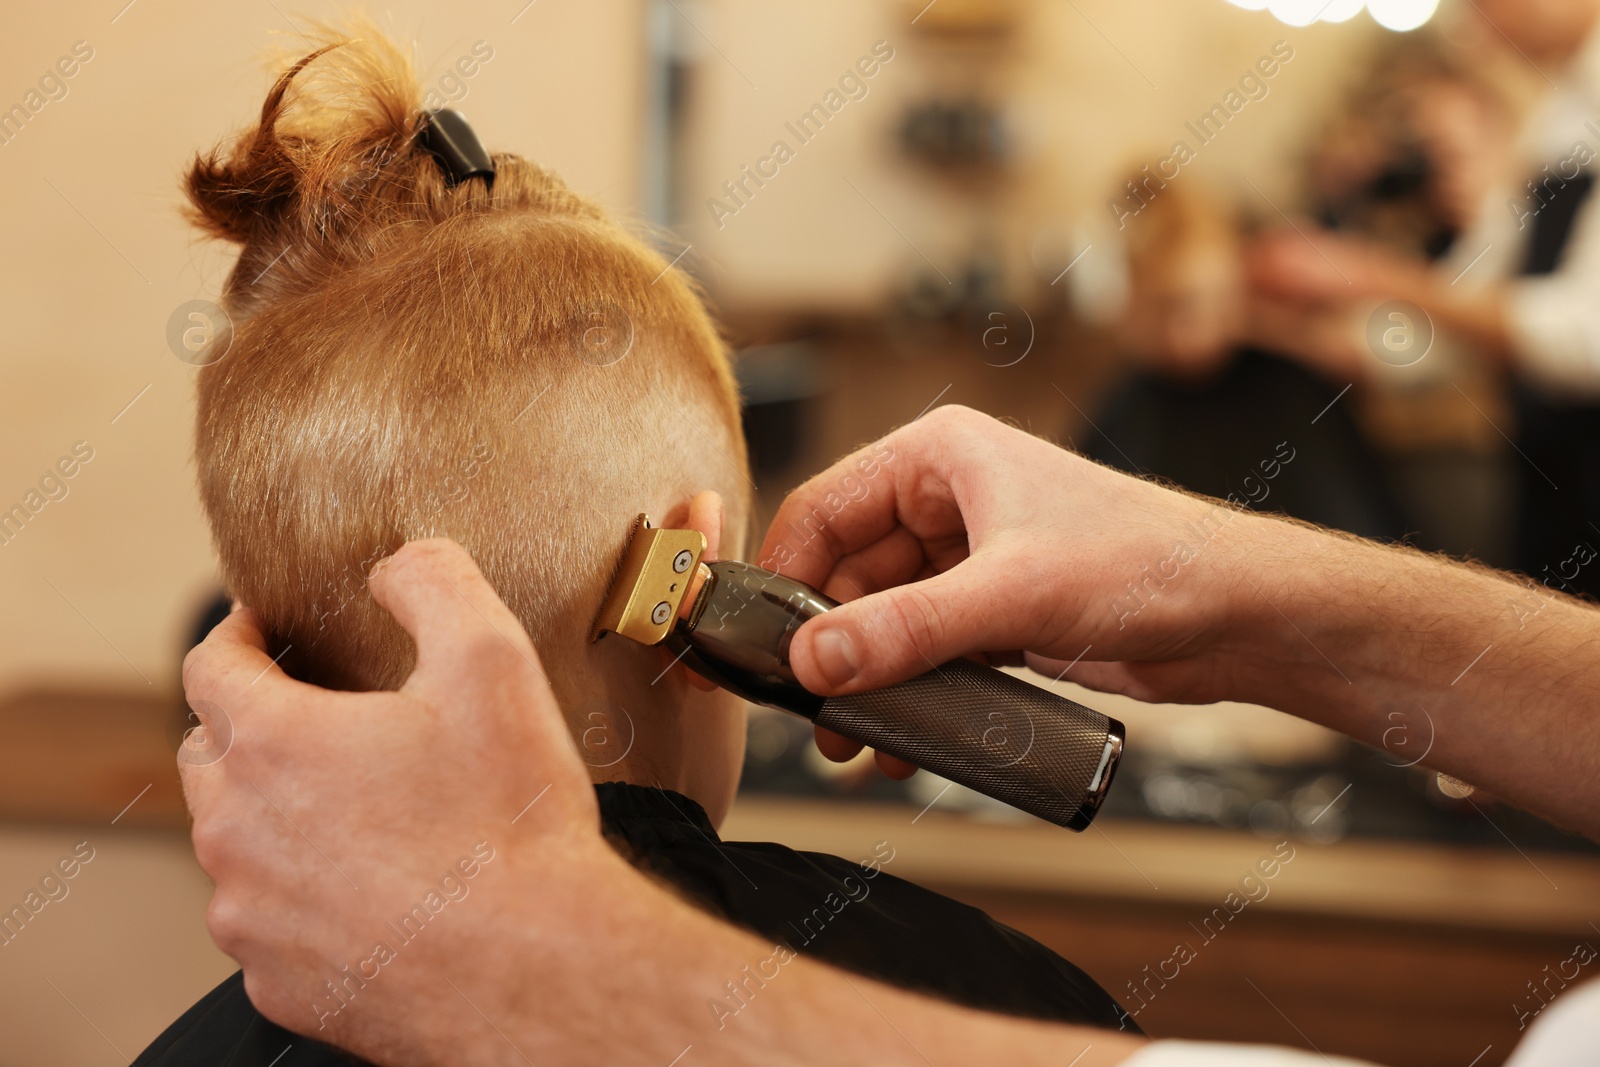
point(972, 724)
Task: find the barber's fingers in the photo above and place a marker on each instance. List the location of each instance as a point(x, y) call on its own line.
point(836, 747)
point(896, 634)
point(229, 680)
point(893, 559)
point(467, 639)
point(818, 523)
point(904, 481)
point(841, 749)
point(234, 648)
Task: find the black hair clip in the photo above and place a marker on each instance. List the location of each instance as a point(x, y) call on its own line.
point(451, 141)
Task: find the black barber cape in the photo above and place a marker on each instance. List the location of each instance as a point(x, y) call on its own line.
point(1559, 436)
point(855, 915)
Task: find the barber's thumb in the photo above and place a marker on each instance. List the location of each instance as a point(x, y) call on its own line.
point(438, 595)
point(878, 640)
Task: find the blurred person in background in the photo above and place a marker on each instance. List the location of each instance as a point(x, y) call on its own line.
point(1206, 408)
point(1404, 164)
point(1516, 288)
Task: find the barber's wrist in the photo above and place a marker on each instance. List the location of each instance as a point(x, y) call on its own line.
point(1310, 615)
point(1346, 628)
point(1265, 572)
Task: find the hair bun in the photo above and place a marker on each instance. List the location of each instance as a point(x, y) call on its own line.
point(330, 164)
point(334, 172)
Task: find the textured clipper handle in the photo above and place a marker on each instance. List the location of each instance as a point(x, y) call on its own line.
point(991, 732)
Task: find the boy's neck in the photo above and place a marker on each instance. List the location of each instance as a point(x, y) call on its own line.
point(662, 733)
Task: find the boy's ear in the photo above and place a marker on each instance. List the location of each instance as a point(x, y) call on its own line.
point(704, 512)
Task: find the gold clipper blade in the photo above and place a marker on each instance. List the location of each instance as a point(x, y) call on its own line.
point(651, 581)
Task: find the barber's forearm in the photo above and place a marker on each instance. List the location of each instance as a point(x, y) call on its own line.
point(1496, 681)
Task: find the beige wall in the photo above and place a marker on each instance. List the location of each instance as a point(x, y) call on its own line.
point(1081, 107)
point(91, 273)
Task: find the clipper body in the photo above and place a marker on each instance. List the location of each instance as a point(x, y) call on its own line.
point(985, 729)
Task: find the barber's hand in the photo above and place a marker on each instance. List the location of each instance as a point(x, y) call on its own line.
point(1327, 269)
point(1329, 341)
point(957, 535)
point(326, 819)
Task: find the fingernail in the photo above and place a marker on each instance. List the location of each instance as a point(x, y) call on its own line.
point(836, 656)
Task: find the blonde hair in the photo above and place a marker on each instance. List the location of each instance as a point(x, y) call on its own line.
point(505, 366)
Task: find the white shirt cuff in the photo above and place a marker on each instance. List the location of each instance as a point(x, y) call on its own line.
point(1555, 334)
point(1211, 1054)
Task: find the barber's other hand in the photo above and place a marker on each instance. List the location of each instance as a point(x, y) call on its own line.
point(958, 535)
point(1323, 268)
point(325, 818)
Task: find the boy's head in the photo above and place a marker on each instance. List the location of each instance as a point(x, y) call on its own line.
point(508, 368)
point(1186, 292)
